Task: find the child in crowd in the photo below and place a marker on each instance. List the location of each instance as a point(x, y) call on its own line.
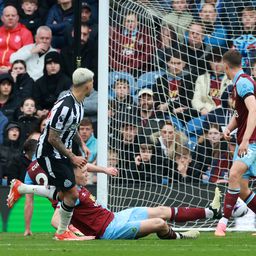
point(23, 83)
point(27, 120)
point(9, 150)
point(29, 15)
point(183, 161)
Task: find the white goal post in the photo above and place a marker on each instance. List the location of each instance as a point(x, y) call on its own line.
point(161, 136)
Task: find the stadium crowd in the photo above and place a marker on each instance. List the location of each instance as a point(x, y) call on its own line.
point(168, 96)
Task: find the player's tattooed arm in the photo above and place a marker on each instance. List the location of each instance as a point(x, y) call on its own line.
point(55, 140)
point(77, 139)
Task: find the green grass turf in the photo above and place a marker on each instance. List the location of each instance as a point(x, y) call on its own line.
point(42, 244)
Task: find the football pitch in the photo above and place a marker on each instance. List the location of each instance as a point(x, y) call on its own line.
point(235, 243)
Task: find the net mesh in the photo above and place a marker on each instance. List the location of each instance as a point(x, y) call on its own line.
point(169, 99)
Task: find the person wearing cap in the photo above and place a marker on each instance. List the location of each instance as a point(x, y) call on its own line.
point(8, 103)
point(87, 17)
point(33, 54)
point(54, 153)
point(47, 88)
point(10, 149)
point(149, 118)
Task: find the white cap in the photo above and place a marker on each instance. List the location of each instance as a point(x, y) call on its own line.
point(82, 75)
point(145, 91)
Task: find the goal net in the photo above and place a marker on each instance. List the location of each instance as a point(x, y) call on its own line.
point(169, 100)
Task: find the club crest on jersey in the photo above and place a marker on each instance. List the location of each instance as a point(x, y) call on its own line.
point(67, 183)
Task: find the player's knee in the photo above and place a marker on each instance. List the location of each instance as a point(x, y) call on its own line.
point(160, 223)
point(162, 212)
point(234, 177)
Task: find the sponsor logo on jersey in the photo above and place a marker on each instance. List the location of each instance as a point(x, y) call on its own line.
point(67, 183)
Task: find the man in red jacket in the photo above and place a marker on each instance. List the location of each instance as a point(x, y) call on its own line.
point(13, 35)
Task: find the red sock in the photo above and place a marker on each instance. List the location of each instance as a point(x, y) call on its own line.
point(183, 214)
point(251, 201)
point(230, 201)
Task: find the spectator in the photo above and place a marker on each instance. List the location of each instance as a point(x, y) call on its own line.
point(245, 42)
point(180, 18)
point(183, 171)
point(86, 17)
point(173, 91)
point(130, 47)
point(215, 33)
point(29, 15)
point(89, 54)
point(196, 50)
point(122, 105)
point(208, 149)
point(148, 118)
point(127, 147)
point(60, 16)
point(210, 86)
point(13, 36)
point(9, 149)
point(86, 133)
point(146, 168)
point(41, 123)
point(3, 122)
point(47, 88)
point(34, 54)
point(43, 6)
point(112, 158)
point(18, 166)
point(23, 83)
point(8, 103)
point(166, 142)
point(27, 120)
point(168, 42)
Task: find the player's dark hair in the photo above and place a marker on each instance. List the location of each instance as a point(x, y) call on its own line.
point(86, 122)
point(233, 58)
point(29, 147)
point(121, 80)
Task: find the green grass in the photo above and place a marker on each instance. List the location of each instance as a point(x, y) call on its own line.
point(235, 244)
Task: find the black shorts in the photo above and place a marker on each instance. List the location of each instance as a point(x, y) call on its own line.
point(60, 172)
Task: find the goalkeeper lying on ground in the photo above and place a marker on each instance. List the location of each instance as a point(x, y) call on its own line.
point(94, 220)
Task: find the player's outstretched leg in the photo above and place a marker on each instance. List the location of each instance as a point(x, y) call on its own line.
point(215, 205)
point(14, 194)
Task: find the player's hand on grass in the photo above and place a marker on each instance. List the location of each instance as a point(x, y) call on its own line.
point(243, 148)
point(111, 171)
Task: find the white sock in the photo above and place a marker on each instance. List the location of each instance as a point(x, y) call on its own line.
point(208, 213)
point(224, 221)
point(178, 235)
point(40, 190)
point(65, 217)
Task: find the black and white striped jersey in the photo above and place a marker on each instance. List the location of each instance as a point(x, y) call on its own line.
point(65, 118)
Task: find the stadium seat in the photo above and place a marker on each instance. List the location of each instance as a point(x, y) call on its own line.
point(113, 76)
point(148, 79)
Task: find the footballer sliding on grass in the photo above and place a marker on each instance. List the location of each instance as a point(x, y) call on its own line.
point(94, 220)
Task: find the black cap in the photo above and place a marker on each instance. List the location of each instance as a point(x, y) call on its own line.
point(12, 125)
point(6, 77)
point(52, 57)
point(86, 6)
